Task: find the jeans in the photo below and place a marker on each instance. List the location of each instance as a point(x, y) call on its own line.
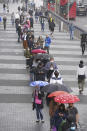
point(42, 26)
point(71, 35)
point(39, 113)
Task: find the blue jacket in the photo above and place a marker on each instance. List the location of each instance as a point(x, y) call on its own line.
point(47, 41)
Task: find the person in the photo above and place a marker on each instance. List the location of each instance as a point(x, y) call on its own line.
point(19, 32)
point(25, 44)
point(4, 6)
point(4, 21)
point(30, 43)
point(71, 30)
point(59, 115)
point(72, 114)
point(52, 25)
point(50, 67)
point(36, 16)
point(12, 18)
point(53, 106)
point(56, 78)
point(37, 103)
point(42, 20)
point(47, 43)
point(49, 22)
point(41, 41)
point(81, 75)
point(83, 42)
point(31, 21)
point(40, 72)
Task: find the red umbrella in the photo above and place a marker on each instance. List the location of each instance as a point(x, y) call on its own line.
point(38, 51)
point(57, 93)
point(66, 98)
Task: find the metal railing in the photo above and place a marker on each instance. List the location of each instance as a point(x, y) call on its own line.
point(58, 19)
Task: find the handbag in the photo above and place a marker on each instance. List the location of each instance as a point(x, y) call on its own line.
point(54, 129)
point(38, 101)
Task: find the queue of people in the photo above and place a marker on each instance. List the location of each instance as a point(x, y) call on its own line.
point(44, 68)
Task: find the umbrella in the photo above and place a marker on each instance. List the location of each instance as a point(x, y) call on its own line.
point(57, 93)
point(42, 56)
point(38, 83)
point(38, 51)
point(56, 87)
point(66, 98)
point(0, 19)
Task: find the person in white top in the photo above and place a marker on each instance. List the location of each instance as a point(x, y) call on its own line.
point(81, 75)
point(56, 78)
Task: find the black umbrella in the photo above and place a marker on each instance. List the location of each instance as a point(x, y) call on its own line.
point(42, 56)
point(56, 87)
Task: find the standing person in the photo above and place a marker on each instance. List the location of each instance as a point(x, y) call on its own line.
point(12, 18)
point(81, 74)
point(36, 16)
point(42, 20)
point(50, 67)
point(25, 44)
point(41, 41)
point(37, 100)
point(71, 31)
point(52, 25)
point(4, 6)
point(83, 42)
point(59, 115)
point(4, 21)
point(31, 21)
point(19, 32)
point(56, 78)
point(47, 43)
point(53, 106)
point(40, 72)
point(72, 113)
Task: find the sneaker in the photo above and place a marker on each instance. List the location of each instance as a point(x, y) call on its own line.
point(42, 121)
point(37, 121)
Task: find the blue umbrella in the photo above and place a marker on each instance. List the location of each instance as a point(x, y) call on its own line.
point(38, 83)
point(0, 19)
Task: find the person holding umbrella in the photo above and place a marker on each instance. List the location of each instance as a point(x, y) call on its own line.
point(37, 101)
point(72, 118)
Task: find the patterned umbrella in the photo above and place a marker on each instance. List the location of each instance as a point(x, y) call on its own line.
point(66, 98)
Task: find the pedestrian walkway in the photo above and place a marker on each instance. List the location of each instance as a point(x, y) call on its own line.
point(16, 112)
point(67, 54)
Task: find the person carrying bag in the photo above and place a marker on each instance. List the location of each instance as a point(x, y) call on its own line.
point(37, 101)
